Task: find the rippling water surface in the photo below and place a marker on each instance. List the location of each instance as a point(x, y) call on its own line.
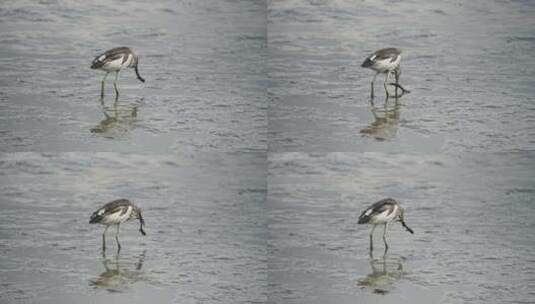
point(253, 147)
point(458, 151)
point(469, 66)
point(202, 61)
point(204, 217)
point(472, 217)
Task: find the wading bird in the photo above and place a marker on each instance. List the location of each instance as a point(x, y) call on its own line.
point(385, 61)
point(115, 213)
point(113, 61)
point(382, 213)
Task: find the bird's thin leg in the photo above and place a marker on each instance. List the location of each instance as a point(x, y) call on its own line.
point(373, 80)
point(117, 239)
point(115, 84)
point(386, 80)
point(384, 238)
point(371, 239)
point(115, 103)
point(104, 239)
point(102, 85)
point(397, 73)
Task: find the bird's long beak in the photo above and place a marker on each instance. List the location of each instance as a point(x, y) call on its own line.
point(407, 227)
point(141, 224)
point(138, 76)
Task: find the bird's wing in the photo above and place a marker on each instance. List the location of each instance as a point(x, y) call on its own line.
point(379, 207)
point(116, 206)
point(110, 55)
point(389, 53)
point(117, 209)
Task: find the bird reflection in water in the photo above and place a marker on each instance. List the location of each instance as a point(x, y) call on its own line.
point(118, 119)
point(385, 124)
point(385, 273)
point(119, 274)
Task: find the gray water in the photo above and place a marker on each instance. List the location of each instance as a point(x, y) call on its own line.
point(472, 218)
point(253, 147)
point(202, 61)
point(205, 228)
point(458, 152)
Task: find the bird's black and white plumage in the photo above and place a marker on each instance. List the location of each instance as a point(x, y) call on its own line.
point(115, 213)
point(113, 61)
point(383, 212)
point(385, 61)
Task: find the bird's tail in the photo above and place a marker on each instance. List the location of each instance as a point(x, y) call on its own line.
point(95, 218)
point(364, 219)
point(367, 63)
point(96, 64)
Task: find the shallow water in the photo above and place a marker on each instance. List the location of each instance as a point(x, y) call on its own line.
point(205, 228)
point(469, 67)
point(472, 217)
point(253, 147)
point(202, 61)
point(458, 152)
